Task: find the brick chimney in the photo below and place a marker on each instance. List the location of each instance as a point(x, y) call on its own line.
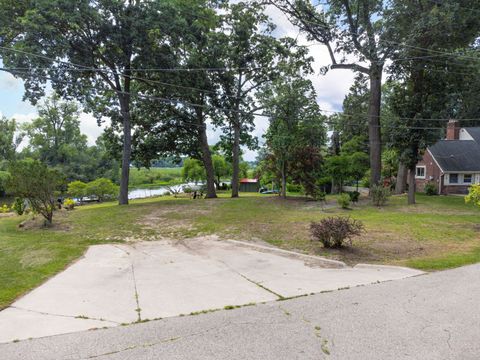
point(453, 129)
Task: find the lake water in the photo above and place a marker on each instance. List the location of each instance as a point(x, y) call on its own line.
point(146, 193)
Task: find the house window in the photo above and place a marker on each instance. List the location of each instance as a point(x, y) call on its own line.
point(420, 172)
point(453, 179)
point(467, 178)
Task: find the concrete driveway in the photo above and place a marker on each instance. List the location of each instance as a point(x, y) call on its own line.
point(120, 284)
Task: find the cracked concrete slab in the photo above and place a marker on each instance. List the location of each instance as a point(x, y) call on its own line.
point(100, 285)
point(19, 324)
point(115, 284)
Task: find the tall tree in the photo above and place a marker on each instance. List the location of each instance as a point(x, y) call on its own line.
point(423, 73)
point(294, 114)
point(352, 28)
point(249, 50)
point(87, 50)
point(254, 57)
point(179, 126)
point(9, 138)
point(54, 136)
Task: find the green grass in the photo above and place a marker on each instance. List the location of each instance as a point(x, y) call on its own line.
point(435, 234)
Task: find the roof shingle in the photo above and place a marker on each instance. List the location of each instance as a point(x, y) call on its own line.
point(457, 155)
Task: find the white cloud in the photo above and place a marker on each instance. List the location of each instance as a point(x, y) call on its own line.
point(89, 127)
point(24, 118)
point(9, 82)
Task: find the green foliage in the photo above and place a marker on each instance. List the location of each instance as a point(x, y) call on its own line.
point(243, 169)
point(9, 140)
point(35, 182)
point(354, 196)
point(379, 195)
point(4, 176)
point(220, 167)
point(155, 177)
point(296, 132)
point(473, 195)
point(193, 170)
point(76, 189)
point(389, 163)
point(431, 189)
point(344, 200)
point(4, 209)
point(103, 189)
point(337, 167)
point(334, 231)
point(294, 188)
point(18, 206)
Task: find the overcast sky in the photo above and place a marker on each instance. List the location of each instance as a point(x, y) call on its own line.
point(331, 89)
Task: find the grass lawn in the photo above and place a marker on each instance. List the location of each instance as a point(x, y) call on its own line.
point(437, 233)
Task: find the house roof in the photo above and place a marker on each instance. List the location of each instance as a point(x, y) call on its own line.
point(474, 132)
point(458, 155)
point(246, 181)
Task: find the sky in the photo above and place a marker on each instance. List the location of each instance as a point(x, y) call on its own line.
point(331, 89)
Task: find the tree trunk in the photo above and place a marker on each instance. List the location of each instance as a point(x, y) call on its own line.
point(284, 181)
point(334, 189)
point(374, 134)
point(207, 162)
point(401, 183)
point(127, 150)
point(411, 186)
point(236, 161)
point(236, 141)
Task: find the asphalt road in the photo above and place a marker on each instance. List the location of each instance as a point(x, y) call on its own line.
point(434, 316)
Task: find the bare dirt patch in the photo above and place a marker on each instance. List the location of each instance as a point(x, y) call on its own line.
point(6, 215)
point(36, 257)
point(174, 220)
point(38, 222)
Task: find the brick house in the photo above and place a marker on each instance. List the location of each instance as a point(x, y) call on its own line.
point(452, 164)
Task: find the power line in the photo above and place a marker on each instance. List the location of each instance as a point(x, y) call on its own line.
point(97, 69)
point(187, 103)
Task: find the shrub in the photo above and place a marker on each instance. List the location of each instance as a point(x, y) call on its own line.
point(102, 188)
point(187, 190)
point(4, 209)
point(333, 232)
point(69, 204)
point(76, 189)
point(379, 195)
point(19, 206)
point(294, 188)
point(35, 182)
point(315, 192)
point(473, 195)
point(344, 201)
point(430, 189)
point(354, 196)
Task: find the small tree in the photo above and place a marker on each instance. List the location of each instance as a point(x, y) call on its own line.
point(35, 182)
point(358, 166)
point(102, 188)
point(193, 170)
point(220, 167)
point(76, 189)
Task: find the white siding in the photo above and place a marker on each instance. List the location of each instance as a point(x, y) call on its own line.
point(464, 135)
